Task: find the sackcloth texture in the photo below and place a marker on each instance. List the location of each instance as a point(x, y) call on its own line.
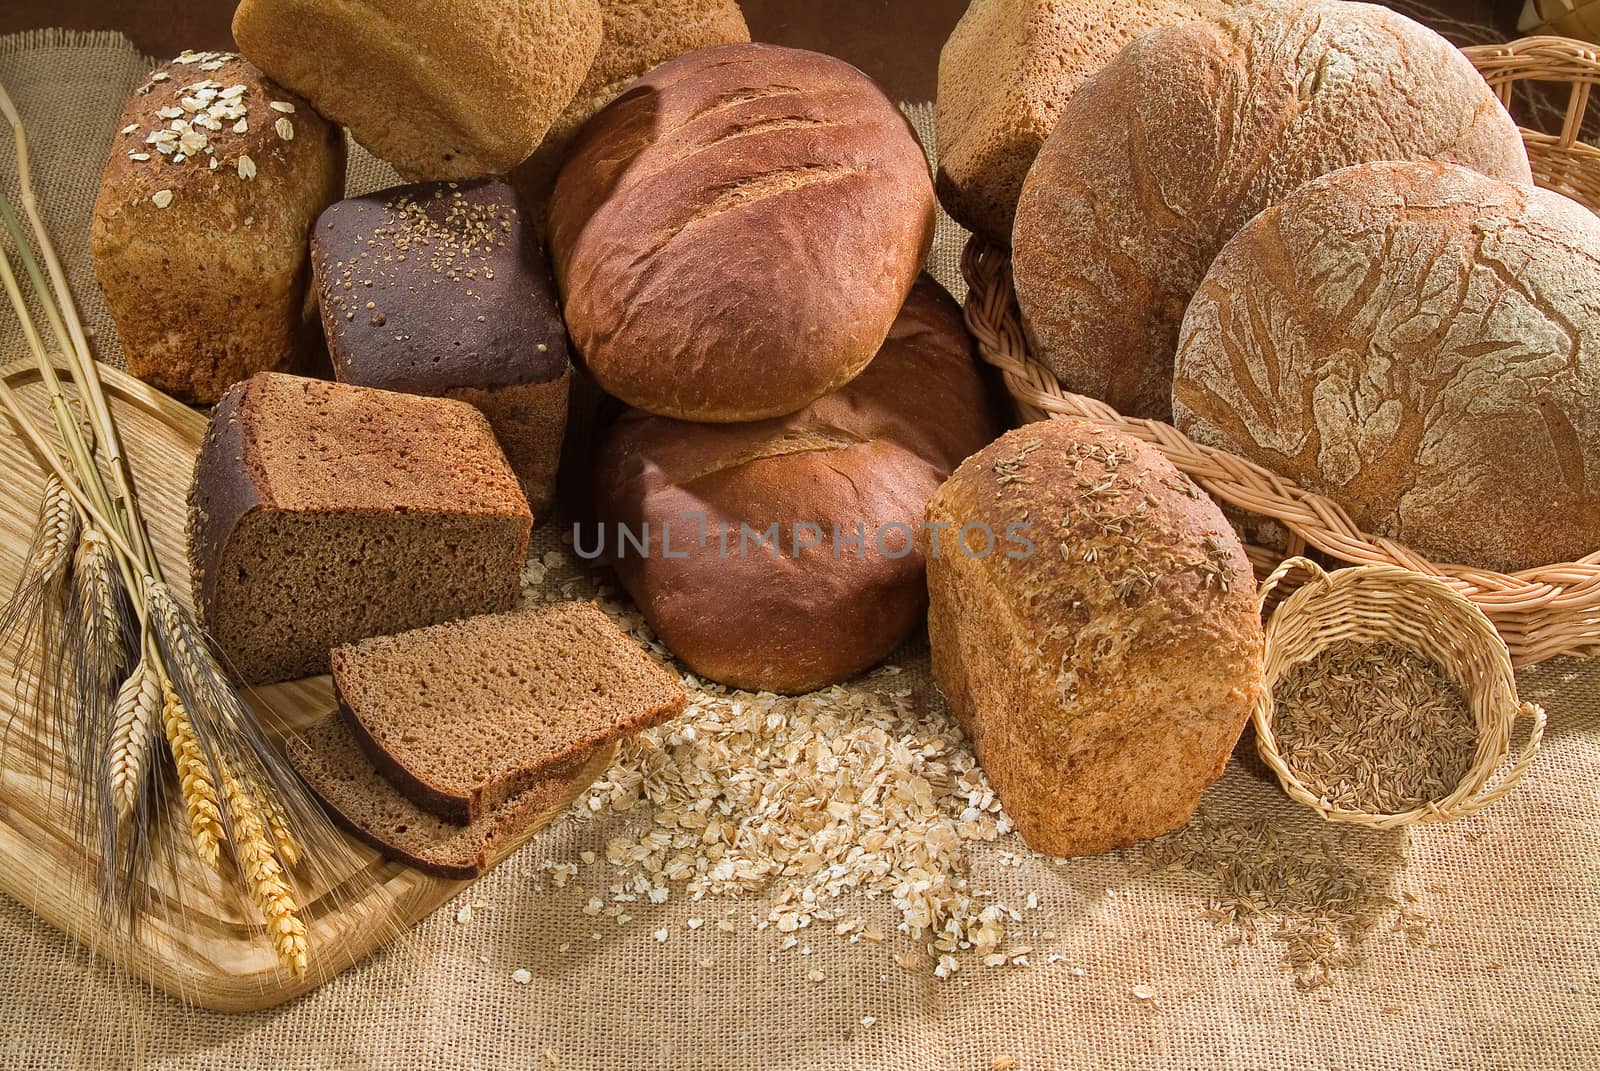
point(1508, 975)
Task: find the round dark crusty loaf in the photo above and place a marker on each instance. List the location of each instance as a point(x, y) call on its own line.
point(200, 226)
point(734, 235)
point(1193, 129)
point(1105, 669)
point(441, 89)
point(868, 454)
point(1005, 74)
point(1420, 342)
point(443, 289)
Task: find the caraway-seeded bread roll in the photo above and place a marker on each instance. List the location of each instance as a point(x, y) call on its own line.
point(1006, 72)
point(1190, 131)
point(441, 89)
point(636, 35)
point(199, 230)
point(464, 715)
point(1422, 344)
point(734, 235)
point(840, 485)
point(323, 513)
point(1105, 652)
point(443, 289)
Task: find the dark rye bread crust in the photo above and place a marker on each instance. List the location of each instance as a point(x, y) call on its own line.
point(1104, 677)
point(332, 764)
point(374, 477)
point(870, 453)
point(734, 234)
point(443, 289)
point(462, 716)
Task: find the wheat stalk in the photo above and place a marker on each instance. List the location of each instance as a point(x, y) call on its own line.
point(257, 854)
point(199, 793)
point(133, 729)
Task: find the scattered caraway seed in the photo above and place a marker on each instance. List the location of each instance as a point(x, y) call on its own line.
point(1373, 727)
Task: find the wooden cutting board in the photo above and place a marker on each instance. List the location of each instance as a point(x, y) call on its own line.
point(212, 953)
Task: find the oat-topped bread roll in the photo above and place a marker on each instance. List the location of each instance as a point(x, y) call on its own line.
point(1104, 651)
point(821, 609)
point(443, 289)
point(636, 36)
point(734, 235)
point(1421, 343)
point(441, 89)
point(1005, 74)
point(199, 231)
point(323, 513)
point(1190, 131)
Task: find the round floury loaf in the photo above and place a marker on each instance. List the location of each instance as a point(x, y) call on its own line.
point(1093, 624)
point(734, 235)
point(1422, 344)
point(1193, 129)
point(1006, 72)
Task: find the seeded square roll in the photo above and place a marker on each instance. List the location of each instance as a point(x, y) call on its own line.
point(442, 89)
point(199, 229)
point(323, 513)
point(463, 716)
point(443, 289)
point(734, 234)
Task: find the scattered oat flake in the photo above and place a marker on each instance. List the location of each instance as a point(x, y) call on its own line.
point(285, 129)
point(1143, 993)
point(281, 106)
point(522, 976)
point(815, 975)
point(464, 914)
point(161, 198)
point(1003, 1062)
point(131, 128)
point(247, 168)
point(661, 936)
point(868, 1020)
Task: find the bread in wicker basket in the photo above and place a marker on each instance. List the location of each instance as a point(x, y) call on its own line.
point(1540, 612)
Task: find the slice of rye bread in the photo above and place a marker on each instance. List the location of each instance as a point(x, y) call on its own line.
point(336, 769)
point(462, 716)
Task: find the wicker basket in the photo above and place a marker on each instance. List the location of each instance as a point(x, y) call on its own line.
point(1377, 603)
point(1540, 613)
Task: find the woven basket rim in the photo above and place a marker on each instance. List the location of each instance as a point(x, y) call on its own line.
point(1492, 695)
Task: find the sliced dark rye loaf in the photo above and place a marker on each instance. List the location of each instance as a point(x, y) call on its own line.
point(333, 765)
point(323, 513)
point(464, 715)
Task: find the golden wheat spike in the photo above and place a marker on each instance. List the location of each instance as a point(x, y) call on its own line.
point(194, 780)
point(264, 879)
point(57, 534)
point(133, 729)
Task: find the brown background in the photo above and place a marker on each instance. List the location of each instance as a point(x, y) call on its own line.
point(895, 41)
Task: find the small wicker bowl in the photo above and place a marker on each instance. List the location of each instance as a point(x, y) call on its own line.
point(1377, 603)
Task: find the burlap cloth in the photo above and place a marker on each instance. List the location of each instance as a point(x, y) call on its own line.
point(1509, 976)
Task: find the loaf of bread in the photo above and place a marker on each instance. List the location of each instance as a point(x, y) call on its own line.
point(1005, 74)
point(323, 513)
point(1191, 130)
point(464, 715)
point(443, 289)
point(332, 764)
point(1421, 343)
point(441, 89)
point(734, 235)
point(636, 35)
point(199, 229)
point(808, 608)
point(1093, 625)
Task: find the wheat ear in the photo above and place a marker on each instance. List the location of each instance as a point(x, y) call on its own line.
point(278, 824)
point(94, 573)
point(133, 731)
point(194, 780)
point(56, 537)
point(253, 848)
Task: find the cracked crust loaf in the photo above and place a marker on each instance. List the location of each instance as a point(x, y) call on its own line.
point(734, 234)
point(869, 453)
point(442, 89)
point(1191, 130)
point(443, 289)
point(1420, 343)
point(331, 763)
point(204, 267)
point(323, 513)
point(1005, 74)
point(464, 715)
point(1105, 676)
point(636, 35)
